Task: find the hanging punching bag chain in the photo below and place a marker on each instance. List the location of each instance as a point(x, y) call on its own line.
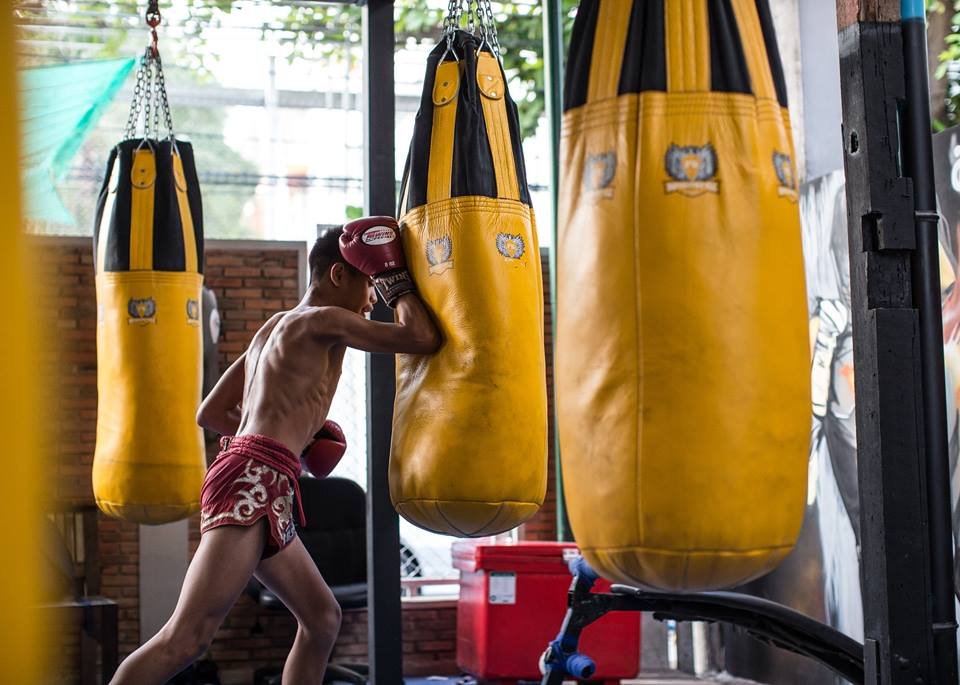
point(488, 27)
point(136, 105)
point(150, 91)
point(480, 22)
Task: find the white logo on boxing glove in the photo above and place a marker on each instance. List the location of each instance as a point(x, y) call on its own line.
point(378, 235)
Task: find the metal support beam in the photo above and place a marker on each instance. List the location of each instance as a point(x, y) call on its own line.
point(553, 92)
point(384, 631)
point(895, 557)
point(917, 155)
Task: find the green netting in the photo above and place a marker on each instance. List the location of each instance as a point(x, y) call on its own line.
point(58, 107)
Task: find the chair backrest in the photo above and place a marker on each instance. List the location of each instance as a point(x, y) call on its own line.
point(336, 530)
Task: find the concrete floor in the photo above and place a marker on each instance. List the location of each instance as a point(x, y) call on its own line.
point(662, 678)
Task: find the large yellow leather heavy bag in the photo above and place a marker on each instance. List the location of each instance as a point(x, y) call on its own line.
point(469, 451)
point(682, 354)
point(149, 461)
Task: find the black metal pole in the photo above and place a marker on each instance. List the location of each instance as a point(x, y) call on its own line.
point(384, 627)
point(917, 145)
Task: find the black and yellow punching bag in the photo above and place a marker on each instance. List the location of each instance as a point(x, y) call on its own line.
point(469, 451)
point(149, 461)
point(682, 354)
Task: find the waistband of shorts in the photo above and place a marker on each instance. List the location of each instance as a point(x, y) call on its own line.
point(260, 444)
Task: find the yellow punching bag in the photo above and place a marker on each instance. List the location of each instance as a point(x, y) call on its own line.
point(469, 451)
point(149, 461)
point(682, 354)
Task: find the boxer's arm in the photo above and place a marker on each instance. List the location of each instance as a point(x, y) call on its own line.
point(413, 332)
point(220, 410)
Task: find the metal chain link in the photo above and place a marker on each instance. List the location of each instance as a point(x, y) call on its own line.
point(480, 22)
point(490, 26)
point(136, 104)
point(149, 99)
point(471, 17)
point(162, 90)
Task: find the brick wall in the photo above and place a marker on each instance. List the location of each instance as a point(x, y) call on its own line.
point(251, 282)
point(543, 525)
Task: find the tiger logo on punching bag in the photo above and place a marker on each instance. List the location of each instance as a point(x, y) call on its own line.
point(599, 172)
point(783, 166)
point(439, 254)
point(693, 170)
point(193, 312)
point(142, 311)
point(510, 246)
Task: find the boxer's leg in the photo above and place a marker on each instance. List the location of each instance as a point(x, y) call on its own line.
point(224, 562)
point(293, 577)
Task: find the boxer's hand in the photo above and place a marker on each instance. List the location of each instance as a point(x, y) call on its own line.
point(373, 246)
point(322, 455)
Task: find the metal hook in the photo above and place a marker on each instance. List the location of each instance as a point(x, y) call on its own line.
point(450, 49)
point(153, 19)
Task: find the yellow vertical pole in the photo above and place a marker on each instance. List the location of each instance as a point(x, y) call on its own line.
point(20, 638)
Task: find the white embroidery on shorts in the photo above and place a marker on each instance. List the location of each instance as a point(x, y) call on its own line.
point(254, 499)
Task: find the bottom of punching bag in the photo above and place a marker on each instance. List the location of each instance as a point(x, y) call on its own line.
point(149, 514)
point(466, 519)
point(683, 570)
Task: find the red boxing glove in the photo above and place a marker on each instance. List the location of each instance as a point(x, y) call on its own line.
point(373, 246)
point(322, 455)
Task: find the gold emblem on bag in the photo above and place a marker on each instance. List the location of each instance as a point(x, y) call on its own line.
point(510, 246)
point(693, 170)
point(598, 173)
point(783, 165)
point(142, 311)
point(193, 312)
point(439, 253)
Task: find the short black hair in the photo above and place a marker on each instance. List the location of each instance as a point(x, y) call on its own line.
point(325, 252)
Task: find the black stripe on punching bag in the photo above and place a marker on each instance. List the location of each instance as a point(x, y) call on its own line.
point(728, 65)
point(418, 157)
point(117, 257)
point(167, 227)
point(516, 142)
point(193, 197)
point(473, 172)
point(577, 79)
point(169, 251)
point(773, 52)
point(645, 54)
point(101, 206)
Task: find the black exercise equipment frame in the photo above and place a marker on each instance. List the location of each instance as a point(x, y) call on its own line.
point(766, 621)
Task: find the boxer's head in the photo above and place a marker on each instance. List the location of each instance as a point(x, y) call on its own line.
point(336, 282)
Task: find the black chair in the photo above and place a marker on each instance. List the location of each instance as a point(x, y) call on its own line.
point(336, 538)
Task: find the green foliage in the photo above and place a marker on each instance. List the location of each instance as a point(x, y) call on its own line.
point(949, 56)
point(312, 31)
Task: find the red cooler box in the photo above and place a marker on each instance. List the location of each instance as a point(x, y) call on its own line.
point(512, 602)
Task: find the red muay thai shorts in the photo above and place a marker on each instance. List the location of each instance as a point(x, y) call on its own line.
point(253, 477)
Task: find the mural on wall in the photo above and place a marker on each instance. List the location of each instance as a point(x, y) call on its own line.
point(946, 150)
point(833, 444)
point(833, 440)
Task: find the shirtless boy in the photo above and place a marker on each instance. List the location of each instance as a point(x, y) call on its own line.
point(272, 402)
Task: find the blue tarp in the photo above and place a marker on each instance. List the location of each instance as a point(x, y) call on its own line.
point(59, 105)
